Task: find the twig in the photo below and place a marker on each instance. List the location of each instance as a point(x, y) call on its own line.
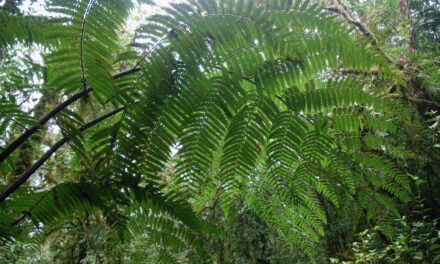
point(28, 212)
point(14, 120)
point(415, 100)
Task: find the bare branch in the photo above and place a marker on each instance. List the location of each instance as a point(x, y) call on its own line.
point(339, 9)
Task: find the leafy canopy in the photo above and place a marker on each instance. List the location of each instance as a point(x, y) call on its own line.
point(275, 103)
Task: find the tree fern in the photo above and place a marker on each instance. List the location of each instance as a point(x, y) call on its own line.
point(250, 98)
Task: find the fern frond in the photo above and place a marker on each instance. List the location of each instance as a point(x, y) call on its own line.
point(87, 36)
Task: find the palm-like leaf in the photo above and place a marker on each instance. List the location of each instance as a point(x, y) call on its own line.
point(250, 97)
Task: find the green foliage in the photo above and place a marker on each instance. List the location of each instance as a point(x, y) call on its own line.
point(17, 28)
point(416, 242)
point(86, 36)
point(275, 104)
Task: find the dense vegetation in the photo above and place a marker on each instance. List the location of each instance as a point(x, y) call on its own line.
point(220, 131)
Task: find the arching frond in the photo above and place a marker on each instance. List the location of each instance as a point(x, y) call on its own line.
point(231, 100)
